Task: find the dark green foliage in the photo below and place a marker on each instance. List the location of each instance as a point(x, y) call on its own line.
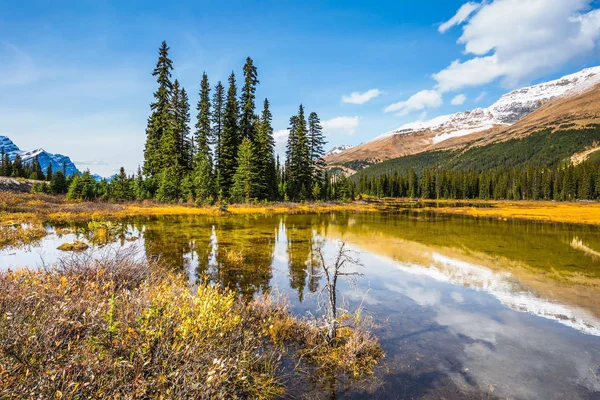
point(298, 163)
point(581, 182)
point(246, 176)
point(121, 187)
point(17, 170)
point(82, 187)
point(6, 167)
point(265, 155)
point(182, 117)
point(161, 119)
point(229, 139)
point(317, 142)
point(540, 149)
point(49, 172)
point(247, 115)
point(58, 184)
point(218, 113)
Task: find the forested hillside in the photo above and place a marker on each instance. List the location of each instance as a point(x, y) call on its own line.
point(541, 149)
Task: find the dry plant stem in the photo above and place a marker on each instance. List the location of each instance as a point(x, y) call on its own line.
point(344, 257)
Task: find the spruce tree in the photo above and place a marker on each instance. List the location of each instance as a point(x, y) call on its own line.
point(247, 105)
point(299, 184)
point(139, 186)
point(183, 121)
point(203, 134)
point(120, 189)
point(218, 107)
point(203, 173)
point(17, 167)
point(160, 119)
point(265, 155)
point(246, 175)
point(49, 172)
point(58, 184)
point(229, 139)
point(317, 143)
point(291, 166)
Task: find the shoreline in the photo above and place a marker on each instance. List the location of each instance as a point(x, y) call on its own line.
point(19, 208)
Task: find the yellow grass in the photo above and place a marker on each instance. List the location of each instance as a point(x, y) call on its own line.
point(564, 212)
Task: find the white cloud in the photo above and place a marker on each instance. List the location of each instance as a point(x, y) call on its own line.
point(461, 16)
point(345, 125)
point(458, 100)
point(517, 41)
point(361, 98)
point(416, 102)
point(480, 97)
point(280, 137)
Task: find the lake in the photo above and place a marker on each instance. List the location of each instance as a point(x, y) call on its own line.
point(464, 308)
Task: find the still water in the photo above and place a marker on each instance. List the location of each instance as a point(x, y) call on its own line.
point(465, 308)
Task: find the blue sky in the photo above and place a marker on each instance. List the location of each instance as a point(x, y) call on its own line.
point(75, 76)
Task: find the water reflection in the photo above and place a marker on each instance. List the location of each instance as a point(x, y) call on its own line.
point(468, 308)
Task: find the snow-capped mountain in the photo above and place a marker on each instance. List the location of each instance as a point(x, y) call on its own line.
point(509, 109)
point(44, 158)
point(512, 107)
point(338, 149)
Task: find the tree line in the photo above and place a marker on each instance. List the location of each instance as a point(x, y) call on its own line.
point(562, 182)
point(229, 156)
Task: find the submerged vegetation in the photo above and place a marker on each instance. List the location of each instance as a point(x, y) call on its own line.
point(115, 327)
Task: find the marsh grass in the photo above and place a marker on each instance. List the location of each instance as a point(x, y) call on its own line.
point(115, 327)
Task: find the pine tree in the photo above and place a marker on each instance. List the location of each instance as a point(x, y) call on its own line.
point(6, 164)
point(317, 143)
point(183, 121)
point(229, 139)
point(246, 175)
point(58, 184)
point(218, 107)
point(160, 119)
point(298, 162)
point(265, 155)
point(291, 166)
point(247, 105)
point(204, 133)
point(203, 180)
point(49, 172)
point(120, 188)
point(17, 166)
point(139, 187)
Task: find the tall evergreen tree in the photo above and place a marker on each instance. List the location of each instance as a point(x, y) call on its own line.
point(218, 107)
point(317, 142)
point(247, 105)
point(265, 155)
point(49, 172)
point(204, 132)
point(291, 167)
point(246, 175)
point(298, 152)
point(183, 121)
point(120, 188)
point(203, 173)
point(17, 166)
point(160, 119)
point(229, 139)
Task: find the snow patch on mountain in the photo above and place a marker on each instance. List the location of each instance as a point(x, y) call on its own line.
point(509, 109)
point(338, 149)
point(44, 158)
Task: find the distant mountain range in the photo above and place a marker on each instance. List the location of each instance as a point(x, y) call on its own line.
point(44, 157)
point(572, 99)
